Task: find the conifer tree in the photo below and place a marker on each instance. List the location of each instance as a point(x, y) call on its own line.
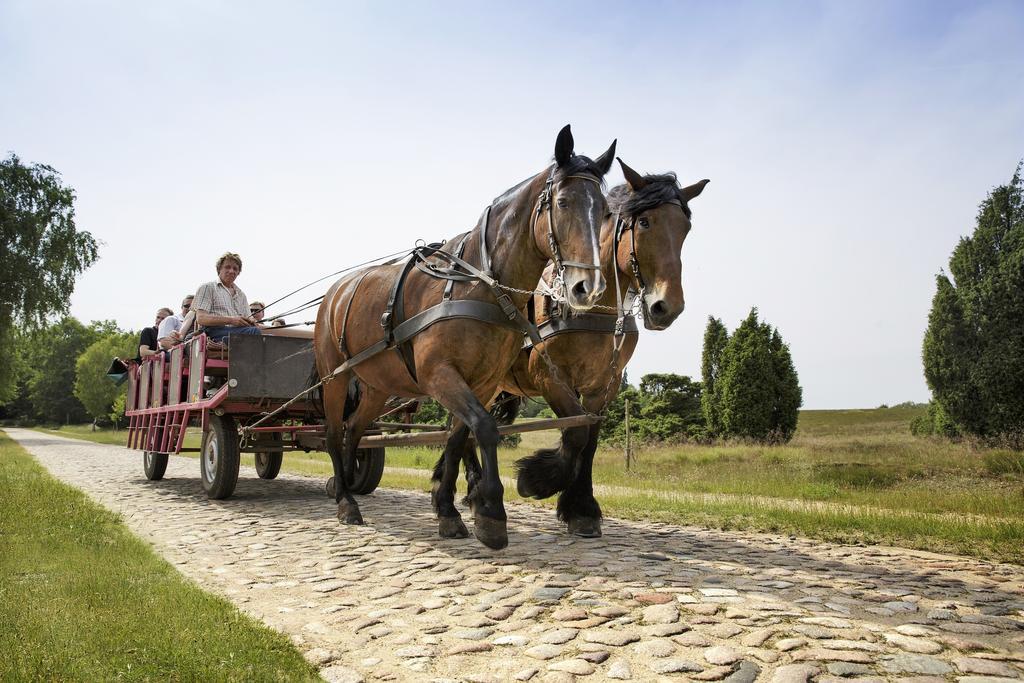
point(756, 392)
point(974, 345)
point(715, 339)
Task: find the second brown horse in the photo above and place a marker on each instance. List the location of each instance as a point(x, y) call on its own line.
point(641, 240)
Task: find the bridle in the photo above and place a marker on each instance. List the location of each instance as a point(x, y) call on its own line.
point(544, 202)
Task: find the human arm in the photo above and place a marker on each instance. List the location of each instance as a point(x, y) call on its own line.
point(147, 343)
point(207, 319)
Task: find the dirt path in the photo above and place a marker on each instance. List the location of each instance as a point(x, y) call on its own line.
point(391, 601)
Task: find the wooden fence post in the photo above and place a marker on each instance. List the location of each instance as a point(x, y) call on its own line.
point(628, 444)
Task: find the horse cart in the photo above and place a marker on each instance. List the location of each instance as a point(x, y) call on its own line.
point(226, 391)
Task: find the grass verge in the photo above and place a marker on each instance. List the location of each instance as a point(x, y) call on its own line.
point(81, 598)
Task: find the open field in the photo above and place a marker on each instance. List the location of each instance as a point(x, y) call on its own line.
point(849, 475)
point(84, 599)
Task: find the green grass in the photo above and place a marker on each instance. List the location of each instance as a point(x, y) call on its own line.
point(81, 598)
point(848, 475)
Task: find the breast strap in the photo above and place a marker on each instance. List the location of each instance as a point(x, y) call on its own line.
point(583, 322)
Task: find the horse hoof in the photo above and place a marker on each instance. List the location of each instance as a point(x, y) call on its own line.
point(493, 533)
point(451, 527)
point(585, 527)
point(349, 515)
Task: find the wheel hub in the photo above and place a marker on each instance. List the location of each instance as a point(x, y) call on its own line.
point(210, 458)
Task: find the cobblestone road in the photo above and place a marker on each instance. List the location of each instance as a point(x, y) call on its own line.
point(391, 601)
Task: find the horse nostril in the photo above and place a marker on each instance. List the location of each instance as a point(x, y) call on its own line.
point(659, 309)
point(581, 289)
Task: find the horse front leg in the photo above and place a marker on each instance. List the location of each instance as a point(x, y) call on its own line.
point(490, 523)
point(446, 473)
point(577, 506)
point(370, 406)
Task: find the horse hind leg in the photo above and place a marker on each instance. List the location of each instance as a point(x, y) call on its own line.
point(369, 407)
point(442, 494)
point(334, 396)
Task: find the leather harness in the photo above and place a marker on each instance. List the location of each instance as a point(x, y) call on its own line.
point(398, 330)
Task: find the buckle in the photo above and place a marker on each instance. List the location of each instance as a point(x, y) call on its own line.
point(508, 307)
point(385, 319)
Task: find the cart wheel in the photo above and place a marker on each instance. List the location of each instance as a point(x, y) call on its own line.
point(268, 463)
point(369, 470)
point(218, 464)
point(155, 465)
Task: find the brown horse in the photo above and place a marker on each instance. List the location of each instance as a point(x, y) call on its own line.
point(459, 361)
point(648, 221)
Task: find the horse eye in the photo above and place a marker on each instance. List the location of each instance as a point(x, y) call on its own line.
point(562, 203)
point(644, 222)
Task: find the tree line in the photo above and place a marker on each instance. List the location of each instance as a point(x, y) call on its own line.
point(749, 390)
point(59, 373)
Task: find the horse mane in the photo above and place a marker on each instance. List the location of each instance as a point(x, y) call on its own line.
point(660, 188)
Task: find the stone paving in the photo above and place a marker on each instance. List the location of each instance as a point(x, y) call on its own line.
point(648, 601)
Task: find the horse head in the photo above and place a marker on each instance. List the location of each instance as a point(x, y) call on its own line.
point(654, 215)
point(568, 223)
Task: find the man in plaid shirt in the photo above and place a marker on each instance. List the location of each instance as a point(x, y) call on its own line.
point(220, 306)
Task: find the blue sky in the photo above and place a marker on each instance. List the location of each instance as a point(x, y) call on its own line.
point(848, 145)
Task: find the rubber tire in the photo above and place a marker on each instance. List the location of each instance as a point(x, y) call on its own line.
point(369, 470)
point(154, 464)
point(271, 465)
point(222, 436)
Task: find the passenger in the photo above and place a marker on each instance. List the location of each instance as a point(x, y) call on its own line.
point(278, 323)
point(148, 345)
point(220, 306)
point(170, 332)
point(256, 310)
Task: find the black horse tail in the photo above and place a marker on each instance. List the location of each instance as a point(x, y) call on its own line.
point(506, 408)
point(316, 396)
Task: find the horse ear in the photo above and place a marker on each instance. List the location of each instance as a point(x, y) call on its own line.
point(635, 181)
point(604, 162)
point(563, 146)
point(688, 193)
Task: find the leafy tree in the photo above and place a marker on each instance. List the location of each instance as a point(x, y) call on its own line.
point(41, 254)
point(52, 355)
point(665, 407)
point(973, 348)
point(757, 392)
point(431, 412)
point(613, 427)
point(92, 387)
point(715, 339)
point(670, 406)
